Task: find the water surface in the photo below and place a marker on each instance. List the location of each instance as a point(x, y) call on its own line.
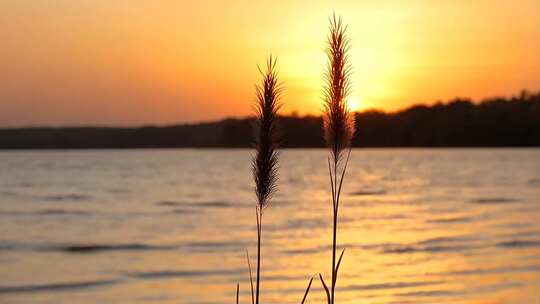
point(172, 226)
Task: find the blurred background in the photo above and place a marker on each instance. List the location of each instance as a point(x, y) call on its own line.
point(125, 136)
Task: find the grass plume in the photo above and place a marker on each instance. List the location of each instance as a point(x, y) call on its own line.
point(338, 122)
point(266, 160)
point(338, 129)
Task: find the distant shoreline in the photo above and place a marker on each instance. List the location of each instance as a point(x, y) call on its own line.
point(460, 123)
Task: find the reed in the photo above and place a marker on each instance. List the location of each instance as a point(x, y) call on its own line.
point(338, 130)
point(265, 162)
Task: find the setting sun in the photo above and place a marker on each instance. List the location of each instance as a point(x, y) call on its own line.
point(354, 104)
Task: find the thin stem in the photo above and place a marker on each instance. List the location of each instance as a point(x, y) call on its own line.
point(237, 291)
point(307, 291)
point(343, 176)
point(259, 232)
point(336, 197)
point(335, 181)
point(334, 237)
point(325, 288)
point(331, 181)
point(334, 232)
point(250, 278)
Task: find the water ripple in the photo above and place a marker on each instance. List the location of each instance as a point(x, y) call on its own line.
point(55, 286)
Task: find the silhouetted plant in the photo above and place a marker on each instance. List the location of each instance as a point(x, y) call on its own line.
point(338, 130)
point(265, 162)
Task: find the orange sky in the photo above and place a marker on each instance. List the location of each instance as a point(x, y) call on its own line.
point(131, 62)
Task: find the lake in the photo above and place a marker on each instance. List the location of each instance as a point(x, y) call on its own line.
point(172, 226)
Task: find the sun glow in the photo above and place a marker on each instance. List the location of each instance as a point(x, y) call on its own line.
point(354, 104)
point(148, 66)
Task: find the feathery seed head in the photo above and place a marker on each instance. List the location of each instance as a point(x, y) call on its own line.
point(338, 121)
point(265, 162)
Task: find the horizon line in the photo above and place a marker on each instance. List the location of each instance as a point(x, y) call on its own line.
point(522, 94)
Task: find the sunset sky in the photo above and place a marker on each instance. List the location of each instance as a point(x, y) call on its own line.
point(133, 62)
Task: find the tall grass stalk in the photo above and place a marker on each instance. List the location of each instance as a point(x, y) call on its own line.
point(265, 162)
point(338, 130)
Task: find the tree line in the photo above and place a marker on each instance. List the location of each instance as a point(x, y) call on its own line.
point(494, 122)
